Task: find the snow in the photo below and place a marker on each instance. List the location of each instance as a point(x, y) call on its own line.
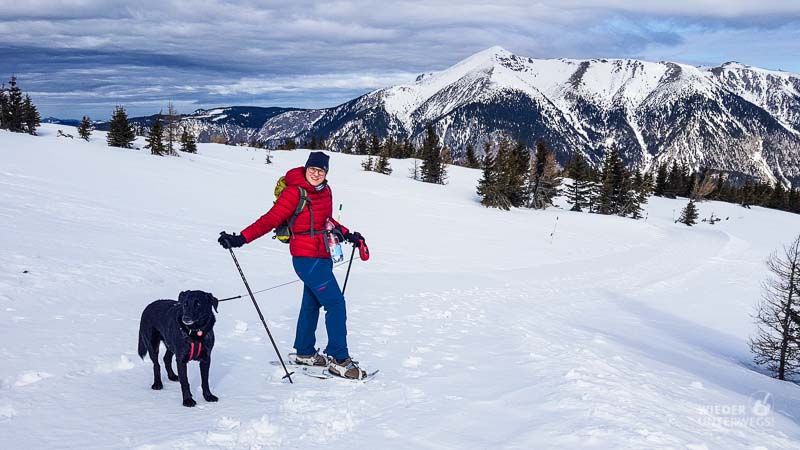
point(492, 329)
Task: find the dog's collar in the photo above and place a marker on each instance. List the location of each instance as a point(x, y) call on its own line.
point(194, 333)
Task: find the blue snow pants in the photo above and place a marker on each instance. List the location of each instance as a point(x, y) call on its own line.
point(320, 290)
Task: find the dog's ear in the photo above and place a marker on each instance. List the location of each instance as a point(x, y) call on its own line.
point(214, 301)
point(182, 295)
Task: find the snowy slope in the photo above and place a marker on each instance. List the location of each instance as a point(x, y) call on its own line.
point(489, 333)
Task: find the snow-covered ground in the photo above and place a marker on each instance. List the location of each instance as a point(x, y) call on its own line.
point(489, 330)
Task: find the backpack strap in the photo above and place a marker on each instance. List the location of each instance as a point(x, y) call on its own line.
point(300, 205)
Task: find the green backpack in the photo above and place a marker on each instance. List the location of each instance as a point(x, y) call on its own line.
point(283, 232)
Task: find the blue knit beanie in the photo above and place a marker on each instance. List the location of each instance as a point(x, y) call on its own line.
point(318, 159)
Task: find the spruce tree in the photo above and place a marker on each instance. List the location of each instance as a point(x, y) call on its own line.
point(689, 214)
point(747, 194)
point(361, 146)
point(778, 198)
point(16, 112)
point(120, 132)
point(612, 193)
point(471, 160)
point(490, 188)
point(155, 139)
point(30, 114)
point(776, 344)
point(382, 165)
point(674, 182)
point(793, 201)
point(368, 164)
point(433, 169)
point(517, 173)
point(189, 145)
point(661, 181)
point(85, 128)
point(4, 109)
point(375, 147)
point(578, 192)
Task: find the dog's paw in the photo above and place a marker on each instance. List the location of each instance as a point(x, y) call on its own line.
point(189, 402)
point(210, 397)
point(157, 386)
point(173, 377)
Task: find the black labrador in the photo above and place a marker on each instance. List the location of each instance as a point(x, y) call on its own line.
point(186, 328)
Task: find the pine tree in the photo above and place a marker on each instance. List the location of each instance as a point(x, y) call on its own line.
point(368, 164)
point(361, 146)
point(188, 144)
point(776, 344)
point(578, 192)
point(611, 191)
point(4, 108)
point(747, 194)
point(778, 198)
point(674, 182)
point(16, 113)
point(120, 132)
point(661, 181)
point(471, 160)
point(793, 201)
point(689, 214)
point(155, 139)
point(30, 114)
point(374, 148)
point(85, 128)
point(638, 189)
point(382, 165)
point(516, 171)
point(432, 170)
point(490, 188)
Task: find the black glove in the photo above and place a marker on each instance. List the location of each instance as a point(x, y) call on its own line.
point(354, 238)
point(231, 240)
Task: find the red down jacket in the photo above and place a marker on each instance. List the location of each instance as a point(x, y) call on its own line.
point(301, 244)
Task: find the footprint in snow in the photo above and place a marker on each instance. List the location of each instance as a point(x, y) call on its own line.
point(30, 377)
point(122, 363)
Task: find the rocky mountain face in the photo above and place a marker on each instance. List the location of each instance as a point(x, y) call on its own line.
point(733, 117)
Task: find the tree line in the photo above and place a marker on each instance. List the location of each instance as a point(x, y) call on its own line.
point(18, 114)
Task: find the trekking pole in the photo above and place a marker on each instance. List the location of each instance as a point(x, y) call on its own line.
point(261, 316)
point(353, 253)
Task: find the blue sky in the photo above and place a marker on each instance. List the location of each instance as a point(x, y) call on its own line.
point(79, 57)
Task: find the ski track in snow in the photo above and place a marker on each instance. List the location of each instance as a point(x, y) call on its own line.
point(613, 334)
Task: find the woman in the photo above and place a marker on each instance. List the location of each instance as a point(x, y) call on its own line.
point(312, 262)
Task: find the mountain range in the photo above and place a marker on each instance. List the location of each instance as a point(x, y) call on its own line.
point(733, 117)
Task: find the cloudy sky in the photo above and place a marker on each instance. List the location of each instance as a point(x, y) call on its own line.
point(79, 57)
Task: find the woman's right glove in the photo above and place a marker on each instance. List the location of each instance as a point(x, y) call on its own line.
point(228, 241)
point(354, 238)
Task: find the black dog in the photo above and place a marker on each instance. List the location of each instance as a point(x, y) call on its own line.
point(186, 328)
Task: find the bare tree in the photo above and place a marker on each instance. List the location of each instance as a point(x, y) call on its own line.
point(171, 129)
point(776, 344)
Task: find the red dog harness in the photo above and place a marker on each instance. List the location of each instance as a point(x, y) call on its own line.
point(192, 355)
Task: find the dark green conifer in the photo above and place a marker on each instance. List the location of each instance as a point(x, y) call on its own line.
point(30, 114)
point(471, 160)
point(120, 132)
point(155, 139)
point(189, 145)
point(85, 128)
point(689, 214)
point(433, 168)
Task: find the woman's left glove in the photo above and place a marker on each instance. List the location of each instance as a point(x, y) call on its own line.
point(228, 241)
point(354, 238)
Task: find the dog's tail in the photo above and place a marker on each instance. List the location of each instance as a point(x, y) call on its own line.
point(142, 340)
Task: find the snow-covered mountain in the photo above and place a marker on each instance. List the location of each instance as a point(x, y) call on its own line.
point(733, 117)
